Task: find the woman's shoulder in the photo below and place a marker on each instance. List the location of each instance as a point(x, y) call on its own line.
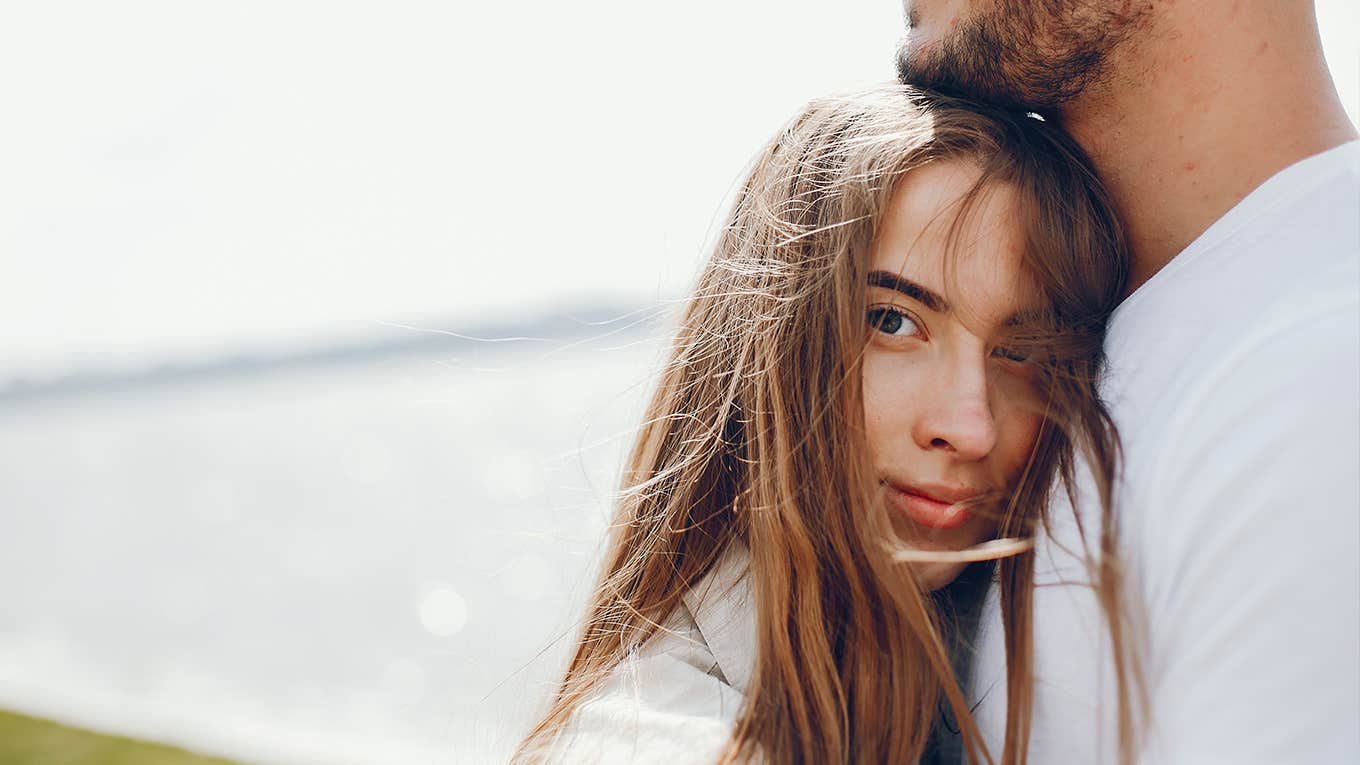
point(678, 696)
point(668, 702)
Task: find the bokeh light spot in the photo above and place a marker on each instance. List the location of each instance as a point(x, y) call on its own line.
point(443, 612)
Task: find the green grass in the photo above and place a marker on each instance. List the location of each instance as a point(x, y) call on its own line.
point(30, 741)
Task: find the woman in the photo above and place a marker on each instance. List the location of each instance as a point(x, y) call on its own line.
point(888, 360)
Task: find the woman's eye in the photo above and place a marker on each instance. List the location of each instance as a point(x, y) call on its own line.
point(1010, 354)
point(891, 321)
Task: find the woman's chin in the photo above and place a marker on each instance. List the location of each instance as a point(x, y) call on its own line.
point(936, 574)
point(920, 537)
point(933, 576)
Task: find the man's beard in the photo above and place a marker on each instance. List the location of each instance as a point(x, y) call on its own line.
point(1035, 55)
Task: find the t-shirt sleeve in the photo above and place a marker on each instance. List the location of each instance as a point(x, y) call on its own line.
point(1250, 527)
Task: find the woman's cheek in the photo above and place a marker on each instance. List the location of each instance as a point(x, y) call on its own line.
point(888, 385)
point(873, 377)
point(1019, 434)
point(1018, 407)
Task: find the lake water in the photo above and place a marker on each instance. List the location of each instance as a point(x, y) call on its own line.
point(362, 561)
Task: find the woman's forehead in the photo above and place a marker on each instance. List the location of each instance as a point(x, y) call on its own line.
point(968, 251)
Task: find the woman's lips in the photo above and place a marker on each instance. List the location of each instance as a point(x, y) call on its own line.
point(926, 509)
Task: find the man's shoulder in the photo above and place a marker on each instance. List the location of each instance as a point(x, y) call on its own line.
point(1263, 370)
point(1282, 238)
point(1283, 259)
point(1246, 344)
point(1311, 204)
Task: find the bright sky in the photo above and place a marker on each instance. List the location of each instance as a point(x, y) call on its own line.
point(182, 179)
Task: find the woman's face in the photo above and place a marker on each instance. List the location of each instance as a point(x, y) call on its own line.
point(951, 414)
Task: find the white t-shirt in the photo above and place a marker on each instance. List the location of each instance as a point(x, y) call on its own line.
point(1234, 380)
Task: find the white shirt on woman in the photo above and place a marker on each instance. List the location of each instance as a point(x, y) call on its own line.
point(1234, 380)
point(675, 700)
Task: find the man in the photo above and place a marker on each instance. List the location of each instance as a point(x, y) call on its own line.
point(1234, 373)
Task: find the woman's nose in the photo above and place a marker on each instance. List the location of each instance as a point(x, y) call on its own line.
point(958, 418)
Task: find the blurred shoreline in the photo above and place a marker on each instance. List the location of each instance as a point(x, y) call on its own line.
point(362, 553)
point(588, 323)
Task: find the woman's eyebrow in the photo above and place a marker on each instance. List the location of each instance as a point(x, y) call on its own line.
point(909, 288)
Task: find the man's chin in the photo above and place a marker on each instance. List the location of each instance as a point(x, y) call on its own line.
point(912, 64)
point(920, 63)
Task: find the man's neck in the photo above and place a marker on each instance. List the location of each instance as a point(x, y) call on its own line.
point(1203, 110)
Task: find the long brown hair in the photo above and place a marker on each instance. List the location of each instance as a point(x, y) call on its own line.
point(756, 433)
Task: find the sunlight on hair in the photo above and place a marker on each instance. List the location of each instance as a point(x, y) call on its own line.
point(992, 549)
